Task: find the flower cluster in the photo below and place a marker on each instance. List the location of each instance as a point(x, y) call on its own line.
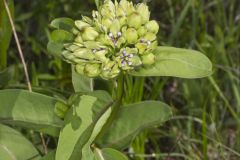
point(119, 37)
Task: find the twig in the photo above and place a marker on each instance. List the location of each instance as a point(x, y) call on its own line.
point(23, 62)
point(18, 46)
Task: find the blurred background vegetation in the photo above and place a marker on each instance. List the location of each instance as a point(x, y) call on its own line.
point(206, 121)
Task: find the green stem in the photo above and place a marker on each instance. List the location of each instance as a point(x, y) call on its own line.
point(120, 88)
point(116, 106)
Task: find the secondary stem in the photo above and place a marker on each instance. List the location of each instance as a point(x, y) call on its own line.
point(120, 88)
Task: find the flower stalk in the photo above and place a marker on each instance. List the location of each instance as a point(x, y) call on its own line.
point(118, 93)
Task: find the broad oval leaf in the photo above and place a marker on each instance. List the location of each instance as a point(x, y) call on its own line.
point(29, 110)
point(55, 48)
point(61, 36)
point(177, 62)
point(131, 120)
point(83, 123)
point(109, 154)
point(63, 23)
point(56, 43)
point(10, 140)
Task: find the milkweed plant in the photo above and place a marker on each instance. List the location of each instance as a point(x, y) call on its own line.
point(118, 40)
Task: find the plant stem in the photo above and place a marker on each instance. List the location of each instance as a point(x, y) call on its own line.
point(120, 87)
point(119, 97)
point(116, 106)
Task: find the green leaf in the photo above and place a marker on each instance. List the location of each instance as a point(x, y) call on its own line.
point(130, 121)
point(5, 32)
point(29, 110)
point(61, 36)
point(56, 43)
point(176, 62)
point(14, 146)
point(23, 16)
point(55, 48)
point(80, 82)
point(83, 123)
point(63, 23)
point(109, 154)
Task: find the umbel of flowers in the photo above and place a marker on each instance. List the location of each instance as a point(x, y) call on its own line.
point(118, 38)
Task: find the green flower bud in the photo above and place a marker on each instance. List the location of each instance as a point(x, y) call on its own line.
point(68, 55)
point(101, 55)
point(107, 22)
point(146, 46)
point(120, 41)
point(108, 9)
point(78, 39)
point(120, 12)
point(75, 31)
point(153, 45)
point(89, 34)
point(124, 4)
point(92, 70)
point(152, 26)
point(108, 65)
point(134, 20)
point(81, 25)
point(148, 59)
point(131, 35)
point(122, 20)
point(80, 60)
point(87, 19)
point(79, 68)
point(72, 58)
point(84, 53)
point(130, 50)
point(149, 37)
point(135, 61)
point(115, 27)
point(141, 47)
point(115, 71)
point(105, 40)
point(143, 10)
point(72, 47)
point(127, 6)
point(93, 45)
point(142, 31)
point(110, 70)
